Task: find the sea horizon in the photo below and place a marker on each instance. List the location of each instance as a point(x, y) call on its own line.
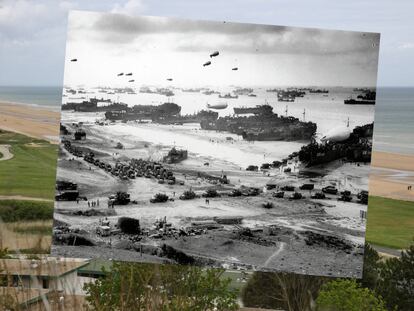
point(393, 112)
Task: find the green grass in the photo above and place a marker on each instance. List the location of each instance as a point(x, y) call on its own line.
point(32, 170)
point(14, 210)
point(390, 222)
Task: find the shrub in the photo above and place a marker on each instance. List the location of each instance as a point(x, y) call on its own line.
point(13, 210)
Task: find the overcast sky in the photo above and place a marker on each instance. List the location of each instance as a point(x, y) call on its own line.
point(157, 48)
point(33, 32)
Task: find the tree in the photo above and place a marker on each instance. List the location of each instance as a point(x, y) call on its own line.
point(396, 281)
point(288, 291)
point(132, 286)
point(348, 295)
point(371, 268)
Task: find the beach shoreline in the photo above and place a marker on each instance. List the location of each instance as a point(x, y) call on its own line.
point(33, 121)
point(43, 123)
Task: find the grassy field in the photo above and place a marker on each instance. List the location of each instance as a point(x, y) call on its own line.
point(32, 170)
point(390, 222)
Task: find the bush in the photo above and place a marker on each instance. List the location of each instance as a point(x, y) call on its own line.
point(129, 225)
point(347, 295)
point(141, 287)
point(13, 210)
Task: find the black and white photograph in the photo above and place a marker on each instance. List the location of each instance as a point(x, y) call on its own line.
point(215, 143)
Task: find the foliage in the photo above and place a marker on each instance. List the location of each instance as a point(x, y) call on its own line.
point(396, 281)
point(138, 287)
point(15, 210)
point(4, 253)
point(390, 222)
point(371, 268)
point(287, 291)
point(347, 295)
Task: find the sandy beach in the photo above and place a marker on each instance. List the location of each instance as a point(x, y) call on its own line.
point(390, 173)
point(32, 121)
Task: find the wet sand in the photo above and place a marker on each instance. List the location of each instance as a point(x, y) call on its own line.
point(391, 174)
point(32, 121)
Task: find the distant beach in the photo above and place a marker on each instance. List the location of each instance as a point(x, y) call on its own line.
point(392, 164)
point(30, 120)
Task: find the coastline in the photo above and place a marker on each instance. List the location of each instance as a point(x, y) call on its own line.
point(33, 121)
point(388, 178)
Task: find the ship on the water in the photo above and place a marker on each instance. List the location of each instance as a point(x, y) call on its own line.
point(259, 109)
point(228, 95)
point(92, 106)
point(263, 127)
point(356, 147)
point(318, 91)
point(366, 98)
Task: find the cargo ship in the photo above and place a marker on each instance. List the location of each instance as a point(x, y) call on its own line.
point(92, 106)
point(356, 148)
point(139, 112)
point(318, 91)
point(228, 95)
point(367, 98)
point(263, 127)
point(259, 109)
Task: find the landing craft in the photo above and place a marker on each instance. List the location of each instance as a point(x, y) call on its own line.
point(129, 74)
point(207, 64)
point(120, 74)
point(131, 80)
point(214, 54)
point(217, 106)
point(169, 79)
point(74, 60)
point(235, 68)
point(337, 134)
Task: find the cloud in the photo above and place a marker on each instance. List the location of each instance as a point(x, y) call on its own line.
point(131, 7)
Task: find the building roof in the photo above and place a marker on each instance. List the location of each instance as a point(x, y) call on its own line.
point(46, 268)
point(95, 268)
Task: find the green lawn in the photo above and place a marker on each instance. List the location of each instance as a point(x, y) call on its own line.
point(32, 170)
point(390, 222)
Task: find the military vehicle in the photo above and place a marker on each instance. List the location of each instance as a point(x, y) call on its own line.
point(120, 198)
point(159, 198)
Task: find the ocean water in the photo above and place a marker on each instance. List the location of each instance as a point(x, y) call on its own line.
point(394, 120)
point(50, 96)
point(394, 111)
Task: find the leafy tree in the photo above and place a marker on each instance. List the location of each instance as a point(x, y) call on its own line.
point(371, 268)
point(396, 281)
point(287, 291)
point(132, 286)
point(348, 295)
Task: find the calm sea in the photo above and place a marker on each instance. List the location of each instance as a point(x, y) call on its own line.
point(394, 112)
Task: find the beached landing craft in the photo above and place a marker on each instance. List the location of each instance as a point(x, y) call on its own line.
point(74, 60)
